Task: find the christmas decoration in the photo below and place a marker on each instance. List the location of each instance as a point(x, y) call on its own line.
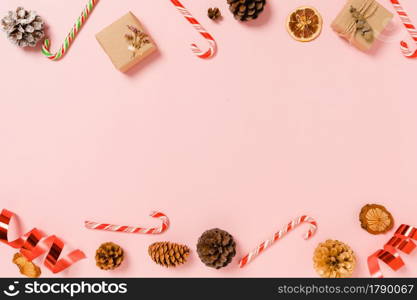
point(278, 235)
point(109, 256)
point(361, 22)
point(334, 259)
point(34, 244)
point(24, 28)
point(136, 40)
point(26, 267)
point(125, 42)
point(168, 254)
point(304, 24)
point(362, 26)
point(216, 248)
point(246, 10)
point(376, 219)
point(402, 240)
point(214, 13)
point(129, 229)
point(197, 26)
point(71, 36)
point(405, 49)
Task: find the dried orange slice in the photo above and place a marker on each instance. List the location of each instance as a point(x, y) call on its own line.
point(376, 219)
point(304, 24)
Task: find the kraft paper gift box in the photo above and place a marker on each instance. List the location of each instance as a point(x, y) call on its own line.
point(377, 16)
point(125, 42)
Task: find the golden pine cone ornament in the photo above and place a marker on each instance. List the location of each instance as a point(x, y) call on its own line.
point(216, 248)
point(334, 259)
point(109, 256)
point(169, 254)
point(376, 219)
point(26, 267)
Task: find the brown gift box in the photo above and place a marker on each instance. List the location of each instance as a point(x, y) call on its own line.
point(117, 47)
point(379, 17)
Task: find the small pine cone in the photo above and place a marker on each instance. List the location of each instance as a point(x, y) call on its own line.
point(168, 254)
point(246, 10)
point(23, 28)
point(334, 259)
point(216, 248)
point(109, 256)
point(214, 13)
point(26, 267)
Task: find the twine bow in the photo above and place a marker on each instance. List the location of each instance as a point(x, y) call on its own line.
point(366, 10)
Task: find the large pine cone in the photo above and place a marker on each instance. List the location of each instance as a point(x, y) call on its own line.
point(216, 248)
point(245, 10)
point(168, 254)
point(334, 259)
point(109, 256)
point(24, 28)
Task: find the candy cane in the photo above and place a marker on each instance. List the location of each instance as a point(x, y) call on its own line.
point(402, 240)
point(197, 26)
point(131, 229)
point(278, 235)
point(410, 28)
point(71, 36)
point(33, 244)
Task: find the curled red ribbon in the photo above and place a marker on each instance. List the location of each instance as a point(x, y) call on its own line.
point(402, 240)
point(34, 243)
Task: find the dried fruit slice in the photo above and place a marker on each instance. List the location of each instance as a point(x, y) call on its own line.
point(27, 268)
point(376, 219)
point(304, 24)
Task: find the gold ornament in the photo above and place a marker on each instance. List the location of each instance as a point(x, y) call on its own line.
point(26, 267)
point(334, 259)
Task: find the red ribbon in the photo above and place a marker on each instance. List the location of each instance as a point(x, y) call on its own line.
point(402, 240)
point(34, 243)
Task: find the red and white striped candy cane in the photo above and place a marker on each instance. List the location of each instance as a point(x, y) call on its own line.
point(410, 28)
point(130, 229)
point(197, 26)
point(278, 235)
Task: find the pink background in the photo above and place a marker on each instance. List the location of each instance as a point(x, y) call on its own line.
point(268, 130)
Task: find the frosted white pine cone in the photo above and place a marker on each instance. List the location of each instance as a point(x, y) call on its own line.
point(23, 28)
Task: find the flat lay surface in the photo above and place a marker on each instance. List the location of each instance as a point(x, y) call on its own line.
point(266, 131)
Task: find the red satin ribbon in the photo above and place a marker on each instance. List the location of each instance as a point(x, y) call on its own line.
point(402, 240)
point(34, 243)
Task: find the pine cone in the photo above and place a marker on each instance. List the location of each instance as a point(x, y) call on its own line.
point(109, 256)
point(245, 10)
point(214, 13)
point(334, 259)
point(216, 248)
point(24, 28)
point(168, 254)
point(26, 267)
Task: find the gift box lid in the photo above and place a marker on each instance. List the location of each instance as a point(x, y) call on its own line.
point(121, 40)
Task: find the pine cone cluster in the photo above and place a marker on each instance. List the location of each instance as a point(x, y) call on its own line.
point(23, 28)
point(334, 259)
point(168, 254)
point(246, 10)
point(109, 256)
point(216, 248)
